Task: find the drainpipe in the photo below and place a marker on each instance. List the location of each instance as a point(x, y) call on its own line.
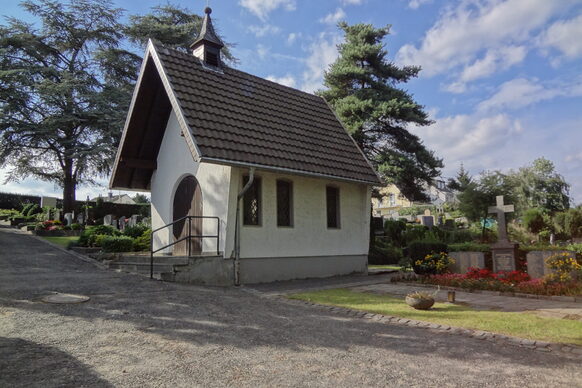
point(236, 252)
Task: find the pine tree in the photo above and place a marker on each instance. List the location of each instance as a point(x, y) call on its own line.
point(362, 89)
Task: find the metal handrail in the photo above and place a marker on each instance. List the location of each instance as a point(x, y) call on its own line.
point(189, 237)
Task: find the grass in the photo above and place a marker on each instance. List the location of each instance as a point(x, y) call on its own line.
point(63, 241)
point(394, 267)
point(523, 325)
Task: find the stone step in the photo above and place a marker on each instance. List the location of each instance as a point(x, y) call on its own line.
point(142, 267)
point(157, 260)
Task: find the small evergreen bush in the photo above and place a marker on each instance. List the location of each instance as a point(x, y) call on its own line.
point(117, 244)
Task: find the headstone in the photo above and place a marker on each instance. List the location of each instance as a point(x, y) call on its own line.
point(504, 252)
point(48, 201)
point(427, 221)
point(134, 220)
point(68, 219)
point(121, 222)
point(81, 219)
point(57, 215)
point(108, 219)
point(464, 260)
point(537, 262)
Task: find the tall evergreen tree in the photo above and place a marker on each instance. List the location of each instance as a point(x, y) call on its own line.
point(64, 91)
point(362, 89)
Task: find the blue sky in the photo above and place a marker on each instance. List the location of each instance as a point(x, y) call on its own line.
point(501, 78)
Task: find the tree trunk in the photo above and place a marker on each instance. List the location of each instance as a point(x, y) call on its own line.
point(69, 188)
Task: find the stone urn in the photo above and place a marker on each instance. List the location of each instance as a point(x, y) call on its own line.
point(419, 301)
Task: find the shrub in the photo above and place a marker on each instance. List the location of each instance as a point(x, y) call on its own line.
point(535, 220)
point(382, 252)
point(395, 231)
point(88, 239)
point(143, 242)
point(414, 233)
point(135, 231)
point(76, 227)
point(117, 244)
point(469, 247)
point(563, 264)
point(418, 250)
point(433, 263)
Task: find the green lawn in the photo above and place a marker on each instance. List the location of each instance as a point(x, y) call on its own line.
point(524, 325)
point(389, 267)
point(62, 241)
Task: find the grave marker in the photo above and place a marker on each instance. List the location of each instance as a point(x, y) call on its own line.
point(504, 252)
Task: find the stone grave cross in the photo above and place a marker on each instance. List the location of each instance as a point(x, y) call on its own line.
point(500, 209)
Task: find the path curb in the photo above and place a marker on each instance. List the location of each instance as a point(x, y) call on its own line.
point(69, 252)
point(564, 350)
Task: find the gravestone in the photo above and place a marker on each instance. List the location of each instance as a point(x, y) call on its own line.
point(134, 220)
point(48, 201)
point(68, 219)
point(464, 260)
point(57, 215)
point(121, 223)
point(108, 219)
point(427, 219)
point(504, 252)
point(81, 219)
point(537, 262)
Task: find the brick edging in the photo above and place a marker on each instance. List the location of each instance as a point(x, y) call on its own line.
point(557, 298)
point(564, 350)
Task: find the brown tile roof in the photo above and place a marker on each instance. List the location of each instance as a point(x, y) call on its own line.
point(239, 118)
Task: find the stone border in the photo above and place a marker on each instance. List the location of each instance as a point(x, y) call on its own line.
point(564, 350)
point(574, 299)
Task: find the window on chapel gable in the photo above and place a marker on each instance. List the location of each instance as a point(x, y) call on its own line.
point(333, 207)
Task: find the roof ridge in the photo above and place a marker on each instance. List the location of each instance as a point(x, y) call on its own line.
point(158, 43)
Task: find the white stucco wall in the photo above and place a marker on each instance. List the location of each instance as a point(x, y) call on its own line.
point(175, 161)
point(309, 235)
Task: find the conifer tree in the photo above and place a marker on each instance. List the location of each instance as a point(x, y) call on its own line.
point(362, 88)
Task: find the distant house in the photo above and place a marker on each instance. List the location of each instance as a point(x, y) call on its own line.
point(392, 199)
point(261, 173)
point(121, 198)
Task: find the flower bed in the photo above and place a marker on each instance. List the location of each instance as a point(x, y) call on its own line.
point(504, 281)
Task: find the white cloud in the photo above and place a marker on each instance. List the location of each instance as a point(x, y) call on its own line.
point(476, 38)
point(466, 138)
point(521, 92)
point(262, 8)
point(287, 80)
point(415, 4)
point(333, 17)
point(564, 35)
point(265, 29)
point(322, 53)
point(262, 51)
point(292, 37)
point(352, 2)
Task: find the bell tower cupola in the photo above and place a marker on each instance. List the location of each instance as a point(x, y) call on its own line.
point(207, 46)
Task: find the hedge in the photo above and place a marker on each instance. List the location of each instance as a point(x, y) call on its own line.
point(117, 244)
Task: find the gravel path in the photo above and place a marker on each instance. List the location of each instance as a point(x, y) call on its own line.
point(135, 332)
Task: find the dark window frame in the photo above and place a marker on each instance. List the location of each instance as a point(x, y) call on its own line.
point(290, 214)
point(255, 190)
point(335, 213)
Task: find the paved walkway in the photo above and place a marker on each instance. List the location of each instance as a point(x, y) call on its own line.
point(542, 307)
point(140, 333)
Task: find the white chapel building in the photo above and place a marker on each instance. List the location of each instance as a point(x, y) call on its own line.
point(258, 181)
